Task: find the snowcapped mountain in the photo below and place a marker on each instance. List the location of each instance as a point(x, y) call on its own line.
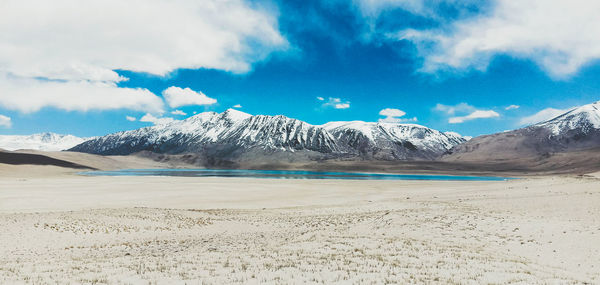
point(576, 129)
point(391, 141)
point(280, 132)
point(584, 119)
point(226, 134)
point(234, 135)
point(42, 141)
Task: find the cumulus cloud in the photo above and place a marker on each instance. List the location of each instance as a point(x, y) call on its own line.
point(394, 116)
point(479, 114)
point(237, 106)
point(5, 121)
point(559, 36)
point(130, 118)
point(52, 51)
point(177, 97)
point(391, 112)
point(541, 116)
point(512, 107)
point(178, 112)
point(336, 103)
point(30, 95)
point(149, 118)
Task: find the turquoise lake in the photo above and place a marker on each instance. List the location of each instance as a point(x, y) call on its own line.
point(285, 174)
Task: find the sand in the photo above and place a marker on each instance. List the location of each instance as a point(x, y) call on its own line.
point(61, 227)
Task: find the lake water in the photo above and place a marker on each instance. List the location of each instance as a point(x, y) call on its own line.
point(284, 174)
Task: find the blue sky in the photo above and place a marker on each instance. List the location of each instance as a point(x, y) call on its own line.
point(474, 67)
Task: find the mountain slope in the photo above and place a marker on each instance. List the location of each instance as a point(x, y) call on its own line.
point(175, 137)
point(237, 136)
point(228, 135)
point(389, 141)
point(575, 130)
point(42, 141)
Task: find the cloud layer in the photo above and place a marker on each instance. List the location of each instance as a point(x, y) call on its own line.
point(30, 95)
point(559, 36)
point(63, 53)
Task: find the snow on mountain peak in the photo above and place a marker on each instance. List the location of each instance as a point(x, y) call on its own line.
point(389, 136)
point(234, 132)
point(41, 141)
point(585, 117)
point(236, 115)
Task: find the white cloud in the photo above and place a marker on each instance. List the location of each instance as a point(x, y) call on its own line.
point(5, 121)
point(394, 116)
point(560, 36)
point(30, 95)
point(78, 45)
point(453, 109)
point(237, 106)
point(71, 39)
point(470, 112)
point(541, 116)
point(373, 8)
point(479, 114)
point(178, 112)
point(149, 118)
point(336, 103)
point(177, 97)
point(130, 118)
point(342, 106)
point(512, 107)
point(391, 112)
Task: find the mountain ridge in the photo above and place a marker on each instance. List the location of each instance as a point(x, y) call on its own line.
point(575, 130)
point(235, 135)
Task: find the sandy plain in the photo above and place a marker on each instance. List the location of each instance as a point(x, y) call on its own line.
point(59, 227)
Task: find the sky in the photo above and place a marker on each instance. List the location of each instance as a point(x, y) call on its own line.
point(94, 67)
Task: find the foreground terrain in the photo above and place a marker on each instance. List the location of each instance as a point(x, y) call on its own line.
point(59, 227)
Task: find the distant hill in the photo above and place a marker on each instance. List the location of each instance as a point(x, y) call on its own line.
point(42, 141)
point(16, 158)
point(576, 131)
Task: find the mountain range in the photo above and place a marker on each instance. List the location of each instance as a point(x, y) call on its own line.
point(237, 136)
point(41, 141)
point(234, 138)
